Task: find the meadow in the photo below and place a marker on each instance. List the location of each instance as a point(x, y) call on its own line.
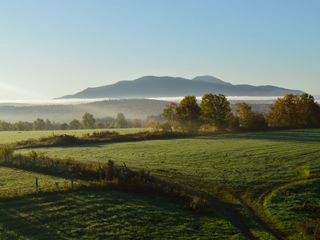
point(108, 215)
point(242, 171)
point(17, 181)
point(15, 136)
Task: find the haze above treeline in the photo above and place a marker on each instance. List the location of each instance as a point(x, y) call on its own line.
point(127, 97)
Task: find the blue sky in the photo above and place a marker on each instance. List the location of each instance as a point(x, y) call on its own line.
point(53, 48)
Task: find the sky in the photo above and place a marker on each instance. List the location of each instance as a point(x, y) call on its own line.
point(53, 48)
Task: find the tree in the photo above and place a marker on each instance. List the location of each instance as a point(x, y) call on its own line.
point(48, 125)
point(136, 123)
point(295, 111)
point(88, 121)
point(121, 121)
point(188, 113)
point(20, 126)
point(169, 113)
point(215, 110)
point(4, 126)
point(100, 125)
point(250, 120)
point(39, 124)
point(108, 121)
point(64, 126)
point(75, 124)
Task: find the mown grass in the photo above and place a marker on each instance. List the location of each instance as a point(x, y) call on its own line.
point(16, 181)
point(16, 136)
point(108, 215)
point(235, 167)
point(236, 160)
point(295, 207)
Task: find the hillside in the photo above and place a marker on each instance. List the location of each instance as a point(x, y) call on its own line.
point(151, 87)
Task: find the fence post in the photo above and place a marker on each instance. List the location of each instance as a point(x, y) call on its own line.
point(5, 158)
point(122, 173)
point(77, 169)
point(37, 183)
point(71, 180)
point(100, 173)
point(52, 164)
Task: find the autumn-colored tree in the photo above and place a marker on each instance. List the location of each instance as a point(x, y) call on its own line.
point(88, 121)
point(233, 122)
point(136, 123)
point(169, 113)
point(243, 112)
point(295, 111)
point(248, 119)
point(215, 110)
point(155, 125)
point(188, 114)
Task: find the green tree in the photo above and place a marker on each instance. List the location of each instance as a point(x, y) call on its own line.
point(20, 126)
point(4, 126)
point(88, 121)
point(188, 114)
point(75, 124)
point(64, 126)
point(121, 121)
point(39, 124)
point(215, 110)
point(49, 125)
point(100, 125)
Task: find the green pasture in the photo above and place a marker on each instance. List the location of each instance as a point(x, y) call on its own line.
point(16, 180)
point(107, 215)
point(15, 136)
point(236, 160)
point(247, 167)
point(292, 204)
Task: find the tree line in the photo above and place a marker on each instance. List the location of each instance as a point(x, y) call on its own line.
point(214, 112)
point(88, 122)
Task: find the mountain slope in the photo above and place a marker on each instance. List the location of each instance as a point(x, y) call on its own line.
point(151, 86)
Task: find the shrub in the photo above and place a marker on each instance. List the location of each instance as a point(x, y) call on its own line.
point(5, 150)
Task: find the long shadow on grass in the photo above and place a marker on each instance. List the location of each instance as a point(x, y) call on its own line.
point(102, 215)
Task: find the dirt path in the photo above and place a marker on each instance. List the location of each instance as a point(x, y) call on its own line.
point(227, 211)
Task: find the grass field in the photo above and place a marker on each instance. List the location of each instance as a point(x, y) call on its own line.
point(295, 203)
point(14, 136)
point(108, 215)
point(247, 166)
point(232, 159)
point(240, 169)
point(23, 181)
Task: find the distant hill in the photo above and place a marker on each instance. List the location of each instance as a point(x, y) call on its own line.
point(151, 87)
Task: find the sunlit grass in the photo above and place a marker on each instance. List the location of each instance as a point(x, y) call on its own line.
point(289, 205)
point(15, 180)
point(14, 136)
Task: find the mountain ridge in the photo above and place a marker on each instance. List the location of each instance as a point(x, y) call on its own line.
point(166, 86)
